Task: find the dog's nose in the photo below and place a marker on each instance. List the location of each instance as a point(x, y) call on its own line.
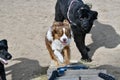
point(64, 39)
point(8, 57)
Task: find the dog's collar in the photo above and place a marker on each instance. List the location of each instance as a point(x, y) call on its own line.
point(68, 12)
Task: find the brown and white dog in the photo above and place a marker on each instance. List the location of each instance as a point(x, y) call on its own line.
point(57, 40)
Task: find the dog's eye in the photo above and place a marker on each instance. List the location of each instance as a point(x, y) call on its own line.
point(59, 32)
point(68, 33)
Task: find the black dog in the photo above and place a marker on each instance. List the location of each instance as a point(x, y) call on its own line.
point(81, 18)
point(4, 56)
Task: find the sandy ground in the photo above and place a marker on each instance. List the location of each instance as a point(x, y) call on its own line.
point(24, 24)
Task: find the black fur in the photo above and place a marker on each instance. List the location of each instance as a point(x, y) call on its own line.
point(81, 18)
point(4, 54)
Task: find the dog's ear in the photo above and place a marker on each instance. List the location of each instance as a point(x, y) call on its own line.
point(65, 22)
point(95, 14)
point(55, 26)
point(4, 41)
point(85, 6)
point(89, 5)
point(83, 11)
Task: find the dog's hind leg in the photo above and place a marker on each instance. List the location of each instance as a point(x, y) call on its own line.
point(58, 14)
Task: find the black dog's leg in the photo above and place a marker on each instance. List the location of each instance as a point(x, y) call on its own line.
point(87, 48)
point(58, 14)
point(2, 72)
point(79, 38)
point(3, 76)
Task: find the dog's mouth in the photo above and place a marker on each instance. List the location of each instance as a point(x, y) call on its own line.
point(3, 61)
point(64, 42)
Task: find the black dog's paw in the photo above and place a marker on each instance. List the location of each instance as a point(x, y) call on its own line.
point(88, 49)
point(86, 60)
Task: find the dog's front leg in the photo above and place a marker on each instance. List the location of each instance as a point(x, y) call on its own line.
point(79, 38)
point(58, 55)
point(2, 73)
point(66, 53)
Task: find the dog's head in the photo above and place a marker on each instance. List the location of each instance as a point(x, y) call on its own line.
point(61, 31)
point(85, 18)
point(4, 54)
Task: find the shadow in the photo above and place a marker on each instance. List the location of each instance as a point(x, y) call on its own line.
point(26, 69)
point(103, 35)
point(112, 70)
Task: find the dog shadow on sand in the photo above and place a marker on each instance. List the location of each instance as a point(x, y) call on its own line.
point(26, 69)
point(103, 35)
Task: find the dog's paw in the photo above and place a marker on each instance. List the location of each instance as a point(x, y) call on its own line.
point(86, 60)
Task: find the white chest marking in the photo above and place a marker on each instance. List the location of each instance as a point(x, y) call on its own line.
point(59, 55)
point(57, 45)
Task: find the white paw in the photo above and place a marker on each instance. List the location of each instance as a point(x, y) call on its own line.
point(59, 56)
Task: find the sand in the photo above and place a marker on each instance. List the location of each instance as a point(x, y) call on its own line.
point(24, 24)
